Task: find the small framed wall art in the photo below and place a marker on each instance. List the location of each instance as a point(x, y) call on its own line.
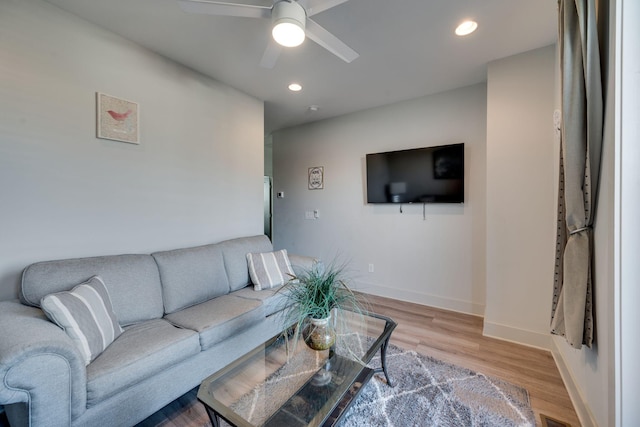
point(118, 119)
point(316, 178)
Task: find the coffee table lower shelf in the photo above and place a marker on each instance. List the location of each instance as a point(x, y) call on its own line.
point(284, 417)
point(280, 384)
point(349, 397)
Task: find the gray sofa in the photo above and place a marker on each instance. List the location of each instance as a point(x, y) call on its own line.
point(186, 313)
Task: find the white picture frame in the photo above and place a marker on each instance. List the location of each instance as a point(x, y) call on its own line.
point(117, 119)
point(316, 178)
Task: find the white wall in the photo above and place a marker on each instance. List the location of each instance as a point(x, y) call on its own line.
point(520, 196)
point(627, 184)
point(439, 261)
point(195, 178)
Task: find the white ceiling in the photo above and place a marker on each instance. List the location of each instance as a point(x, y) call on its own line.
point(407, 48)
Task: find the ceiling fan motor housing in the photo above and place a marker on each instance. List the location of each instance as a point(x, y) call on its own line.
point(287, 14)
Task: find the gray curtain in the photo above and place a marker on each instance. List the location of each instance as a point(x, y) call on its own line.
point(581, 147)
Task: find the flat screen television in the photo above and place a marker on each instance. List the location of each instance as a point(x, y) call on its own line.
point(419, 175)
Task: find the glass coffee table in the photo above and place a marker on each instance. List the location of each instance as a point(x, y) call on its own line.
point(284, 383)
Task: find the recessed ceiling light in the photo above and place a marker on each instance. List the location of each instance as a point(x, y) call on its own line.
point(466, 28)
point(295, 87)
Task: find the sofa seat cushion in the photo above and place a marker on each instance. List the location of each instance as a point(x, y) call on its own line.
point(218, 318)
point(140, 352)
point(272, 300)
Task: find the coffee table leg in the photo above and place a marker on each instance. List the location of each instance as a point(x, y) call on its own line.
point(383, 360)
point(213, 416)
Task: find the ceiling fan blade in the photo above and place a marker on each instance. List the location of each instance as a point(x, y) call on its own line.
point(330, 42)
point(316, 6)
point(225, 9)
point(271, 54)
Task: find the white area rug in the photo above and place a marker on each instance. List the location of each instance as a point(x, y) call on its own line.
point(426, 392)
point(430, 392)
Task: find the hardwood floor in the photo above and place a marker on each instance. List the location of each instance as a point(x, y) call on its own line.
point(449, 336)
point(457, 338)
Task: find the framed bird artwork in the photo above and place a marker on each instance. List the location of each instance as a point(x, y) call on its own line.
point(118, 119)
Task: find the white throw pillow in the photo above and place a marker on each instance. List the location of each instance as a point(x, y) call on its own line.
point(269, 269)
point(86, 315)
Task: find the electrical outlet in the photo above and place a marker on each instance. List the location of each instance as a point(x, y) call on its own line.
point(370, 268)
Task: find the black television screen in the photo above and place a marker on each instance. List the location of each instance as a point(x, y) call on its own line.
point(420, 175)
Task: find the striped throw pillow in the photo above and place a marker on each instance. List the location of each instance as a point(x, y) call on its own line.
point(269, 269)
point(86, 315)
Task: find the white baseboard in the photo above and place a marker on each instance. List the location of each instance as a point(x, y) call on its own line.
point(517, 335)
point(582, 409)
point(494, 330)
point(451, 304)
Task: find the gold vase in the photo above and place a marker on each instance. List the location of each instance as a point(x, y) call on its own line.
point(318, 334)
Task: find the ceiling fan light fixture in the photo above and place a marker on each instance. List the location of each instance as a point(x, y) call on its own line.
point(466, 28)
point(288, 23)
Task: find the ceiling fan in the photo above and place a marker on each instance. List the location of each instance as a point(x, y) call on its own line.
point(290, 24)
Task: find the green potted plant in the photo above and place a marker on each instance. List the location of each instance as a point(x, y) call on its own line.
point(311, 298)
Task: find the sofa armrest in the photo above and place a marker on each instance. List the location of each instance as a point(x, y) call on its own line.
point(301, 263)
point(42, 376)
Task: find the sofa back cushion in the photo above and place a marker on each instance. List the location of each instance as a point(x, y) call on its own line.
point(192, 275)
point(235, 257)
point(133, 283)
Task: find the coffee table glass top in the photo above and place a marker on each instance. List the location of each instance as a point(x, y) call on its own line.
point(285, 383)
